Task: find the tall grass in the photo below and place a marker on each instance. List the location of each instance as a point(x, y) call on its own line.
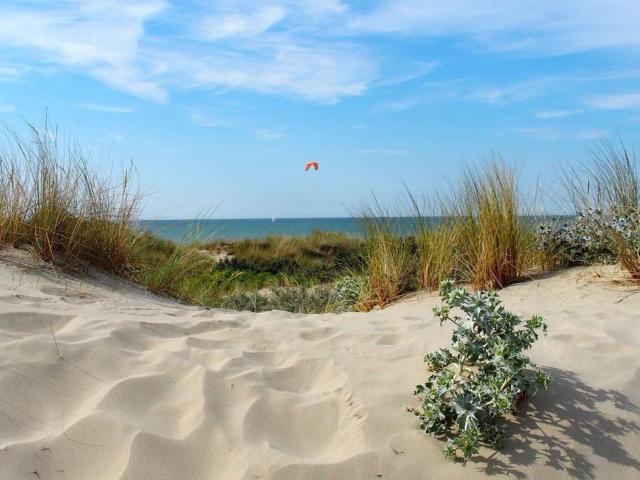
point(53, 204)
point(480, 236)
point(494, 246)
point(609, 184)
point(389, 260)
point(607, 181)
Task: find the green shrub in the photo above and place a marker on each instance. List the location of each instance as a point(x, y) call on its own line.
point(291, 299)
point(580, 241)
point(348, 292)
point(483, 377)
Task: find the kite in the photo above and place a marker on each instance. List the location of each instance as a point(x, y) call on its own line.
point(311, 164)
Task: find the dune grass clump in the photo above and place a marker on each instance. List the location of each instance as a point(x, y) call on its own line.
point(607, 188)
point(53, 204)
point(483, 377)
point(389, 260)
point(494, 245)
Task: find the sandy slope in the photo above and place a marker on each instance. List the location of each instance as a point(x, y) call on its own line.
point(147, 389)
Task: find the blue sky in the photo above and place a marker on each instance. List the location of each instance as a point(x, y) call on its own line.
point(220, 103)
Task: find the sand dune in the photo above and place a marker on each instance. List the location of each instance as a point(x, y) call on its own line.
point(141, 388)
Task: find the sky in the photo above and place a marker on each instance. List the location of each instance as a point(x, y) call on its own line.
point(219, 104)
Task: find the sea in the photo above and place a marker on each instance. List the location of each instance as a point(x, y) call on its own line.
point(236, 229)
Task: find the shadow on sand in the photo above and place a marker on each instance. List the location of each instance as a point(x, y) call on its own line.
point(572, 416)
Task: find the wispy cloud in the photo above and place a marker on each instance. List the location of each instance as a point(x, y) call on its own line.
point(270, 133)
point(545, 26)
point(208, 121)
point(100, 38)
point(514, 93)
point(550, 114)
point(315, 49)
point(106, 108)
point(243, 25)
point(7, 108)
point(549, 133)
point(624, 101)
point(400, 105)
point(411, 73)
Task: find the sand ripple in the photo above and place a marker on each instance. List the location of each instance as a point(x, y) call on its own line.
point(140, 388)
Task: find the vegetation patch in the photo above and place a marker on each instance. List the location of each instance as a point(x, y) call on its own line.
point(483, 377)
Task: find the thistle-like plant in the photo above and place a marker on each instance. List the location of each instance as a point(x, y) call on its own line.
point(482, 377)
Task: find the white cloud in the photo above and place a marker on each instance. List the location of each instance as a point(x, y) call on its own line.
point(623, 101)
point(7, 108)
point(101, 38)
point(319, 72)
point(517, 92)
point(548, 133)
point(207, 120)
point(306, 48)
point(546, 26)
point(240, 25)
point(106, 108)
point(270, 133)
point(401, 105)
point(418, 70)
point(550, 114)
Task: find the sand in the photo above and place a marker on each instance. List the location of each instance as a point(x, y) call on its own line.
point(138, 387)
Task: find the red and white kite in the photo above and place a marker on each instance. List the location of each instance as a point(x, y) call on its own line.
point(311, 164)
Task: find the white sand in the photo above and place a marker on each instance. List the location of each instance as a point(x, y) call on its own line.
point(149, 390)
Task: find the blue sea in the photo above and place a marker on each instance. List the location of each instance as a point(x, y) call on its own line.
point(234, 229)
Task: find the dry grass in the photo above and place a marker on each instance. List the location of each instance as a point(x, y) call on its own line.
point(609, 183)
point(494, 245)
point(54, 205)
point(389, 261)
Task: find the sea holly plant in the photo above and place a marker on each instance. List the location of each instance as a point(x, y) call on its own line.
point(483, 377)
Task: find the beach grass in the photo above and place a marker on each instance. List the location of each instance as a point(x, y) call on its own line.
point(56, 205)
point(389, 260)
point(53, 204)
point(607, 186)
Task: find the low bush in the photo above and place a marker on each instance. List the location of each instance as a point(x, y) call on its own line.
point(579, 241)
point(483, 377)
point(348, 292)
point(609, 185)
point(317, 299)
